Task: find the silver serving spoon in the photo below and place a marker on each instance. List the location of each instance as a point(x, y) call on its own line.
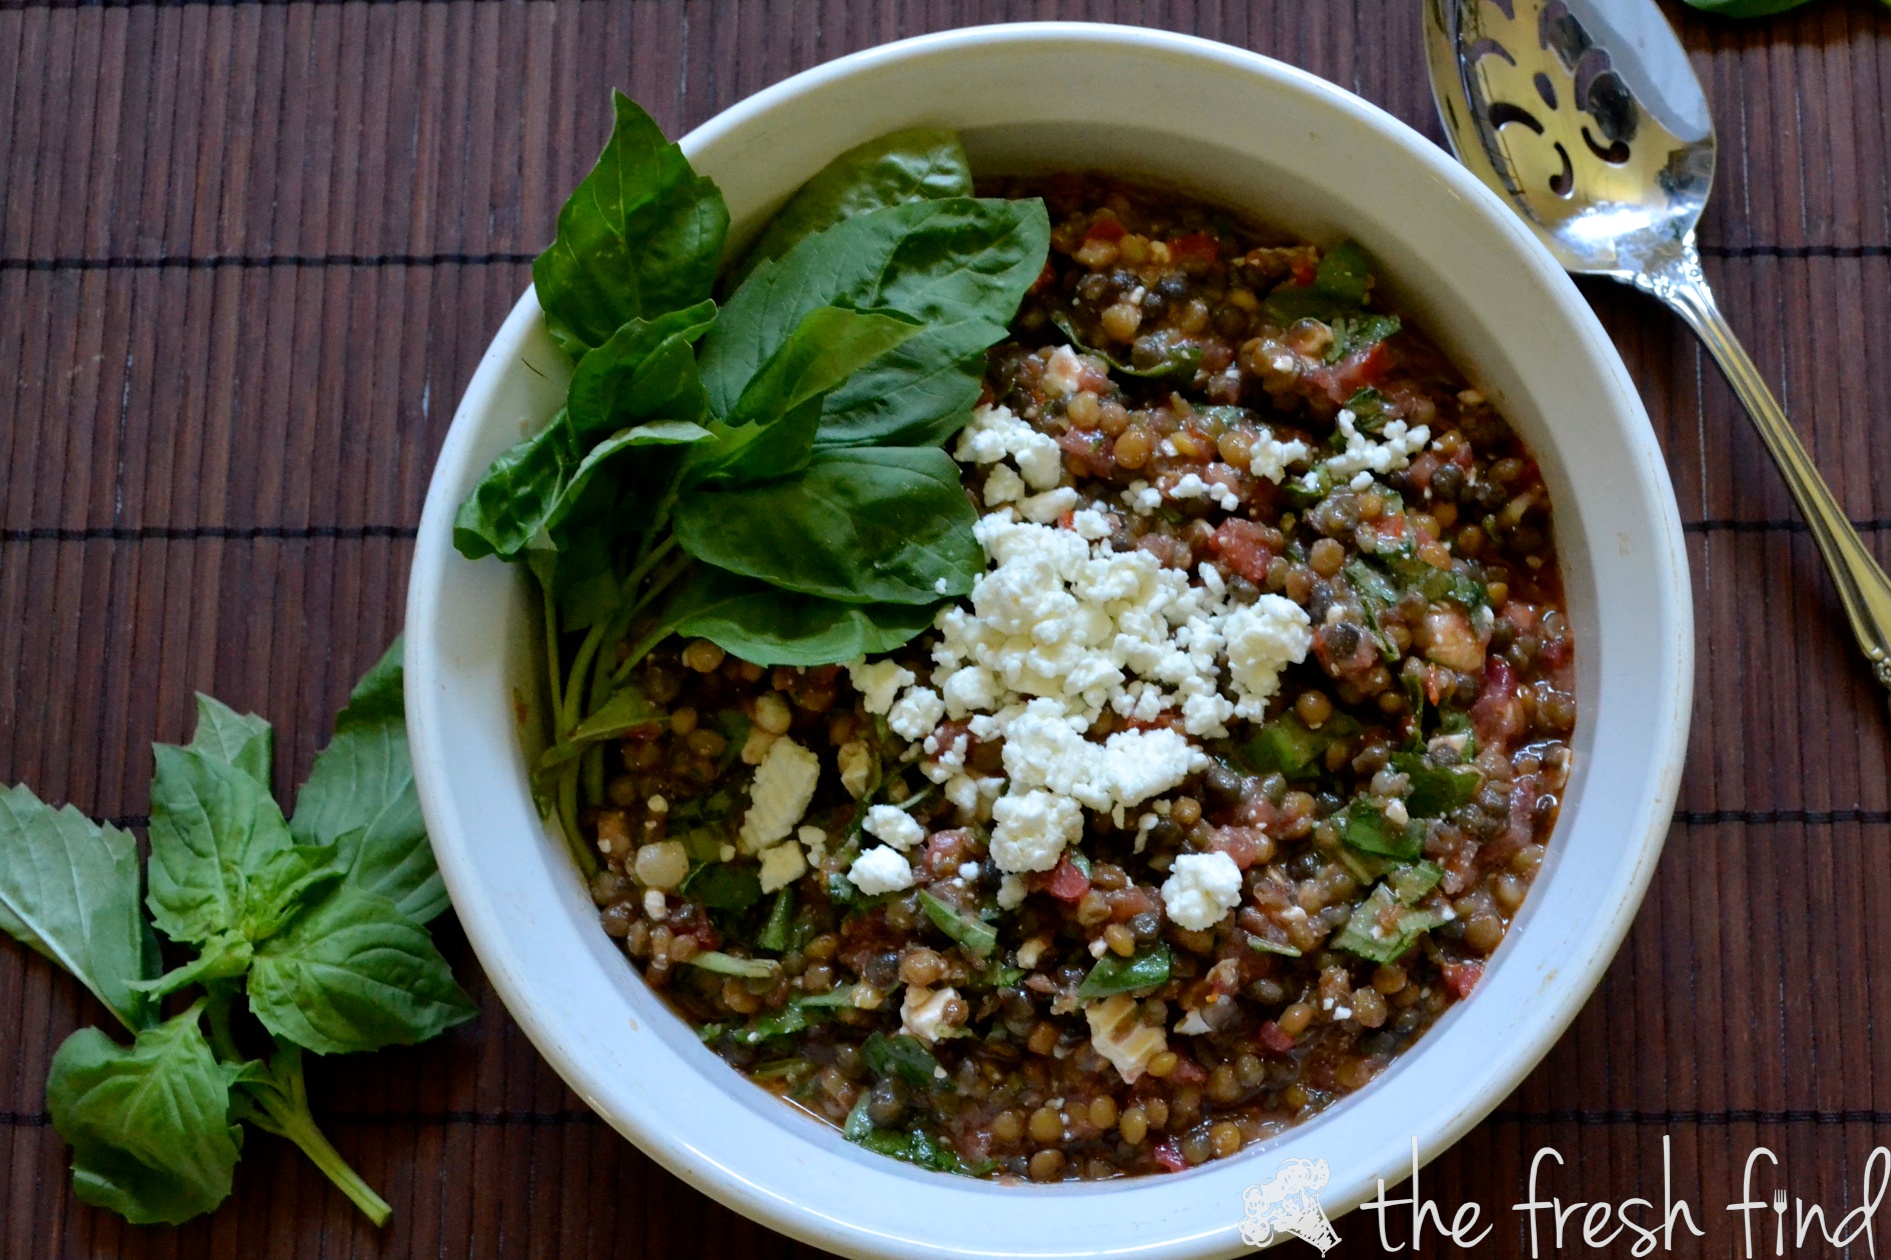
point(1587, 118)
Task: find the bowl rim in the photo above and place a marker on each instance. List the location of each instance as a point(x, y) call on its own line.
point(430, 740)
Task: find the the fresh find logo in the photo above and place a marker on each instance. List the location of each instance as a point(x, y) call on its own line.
point(1289, 1203)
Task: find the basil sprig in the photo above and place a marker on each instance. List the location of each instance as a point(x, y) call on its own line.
point(765, 473)
point(308, 934)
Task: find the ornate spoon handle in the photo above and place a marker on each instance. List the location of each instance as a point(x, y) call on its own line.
point(1862, 585)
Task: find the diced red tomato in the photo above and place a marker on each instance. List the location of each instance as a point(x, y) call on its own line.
point(1392, 526)
point(1497, 715)
point(1241, 844)
point(1238, 545)
point(1461, 978)
point(1188, 1072)
point(1106, 228)
point(1420, 472)
point(1270, 1035)
point(1067, 883)
point(1169, 1155)
point(1090, 451)
point(1304, 269)
point(1555, 654)
point(1195, 247)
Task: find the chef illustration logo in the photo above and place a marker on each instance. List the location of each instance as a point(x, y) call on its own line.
point(1289, 1203)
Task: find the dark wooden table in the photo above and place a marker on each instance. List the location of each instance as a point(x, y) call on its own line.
point(249, 255)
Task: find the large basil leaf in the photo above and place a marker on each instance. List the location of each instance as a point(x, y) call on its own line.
point(360, 798)
point(958, 260)
point(863, 526)
point(242, 739)
point(770, 430)
point(646, 370)
point(769, 626)
point(69, 889)
point(530, 490)
point(1340, 285)
point(214, 832)
point(640, 237)
point(918, 164)
point(149, 1126)
point(353, 973)
point(919, 394)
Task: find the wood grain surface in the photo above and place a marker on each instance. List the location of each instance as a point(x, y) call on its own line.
point(249, 254)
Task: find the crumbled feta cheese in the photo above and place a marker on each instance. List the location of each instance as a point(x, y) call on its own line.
point(1142, 498)
point(995, 432)
point(1263, 639)
point(1270, 458)
point(1396, 813)
point(657, 805)
point(655, 904)
point(878, 682)
point(1003, 486)
point(1062, 371)
point(1044, 750)
point(880, 870)
point(854, 760)
point(1047, 507)
point(962, 791)
point(916, 713)
point(814, 840)
point(1191, 486)
point(923, 1010)
point(1011, 894)
point(782, 866)
point(1040, 460)
point(1393, 451)
point(779, 795)
point(1201, 889)
point(1090, 524)
point(968, 871)
point(1032, 829)
point(1192, 1025)
point(1032, 951)
point(893, 825)
point(1118, 1033)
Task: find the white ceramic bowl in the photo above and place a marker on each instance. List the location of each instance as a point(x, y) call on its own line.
point(1249, 132)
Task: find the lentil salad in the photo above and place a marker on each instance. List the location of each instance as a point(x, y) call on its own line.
point(1001, 902)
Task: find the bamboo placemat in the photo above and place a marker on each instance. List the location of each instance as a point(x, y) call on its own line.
point(249, 255)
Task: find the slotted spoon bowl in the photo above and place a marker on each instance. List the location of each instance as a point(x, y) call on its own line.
point(1586, 118)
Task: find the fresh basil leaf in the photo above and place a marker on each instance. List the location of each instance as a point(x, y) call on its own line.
point(224, 956)
point(770, 430)
point(1288, 746)
point(353, 973)
point(775, 933)
point(213, 829)
point(905, 1057)
point(919, 394)
point(641, 236)
point(917, 1146)
point(948, 261)
point(1384, 927)
point(360, 798)
point(1435, 790)
point(918, 164)
point(1359, 332)
point(1262, 945)
point(1365, 827)
point(149, 1125)
point(1179, 359)
point(976, 936)
point(529, 490)
point(625, 711)
point(1340, 285)
point(241, 739)
point(1409, 883)
point(765, 625)
point(647, 370)
point(69, 890)
point(719, 886)
point(824, 349)
point(861, 525)
point(1113, 974)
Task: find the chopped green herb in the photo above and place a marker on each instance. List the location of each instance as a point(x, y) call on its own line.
point(977, 936)
point(774, 933)
point(905, 1057)
point(1113, 974)
point(1364, 826)
point(1435, 790)
point(720, 886)
point(729, 965)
